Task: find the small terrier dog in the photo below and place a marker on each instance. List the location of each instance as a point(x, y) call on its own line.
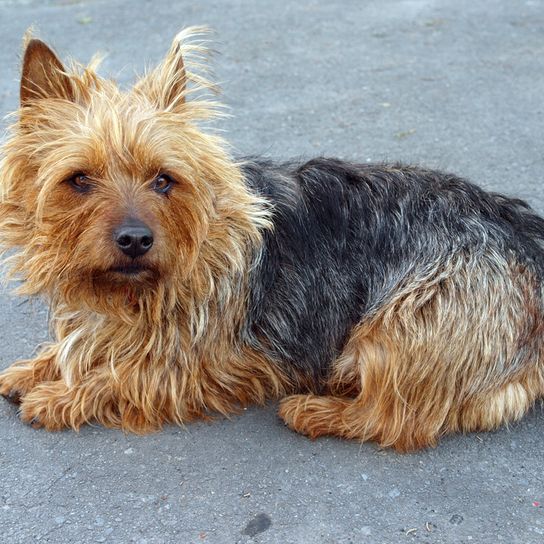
point(378, 302)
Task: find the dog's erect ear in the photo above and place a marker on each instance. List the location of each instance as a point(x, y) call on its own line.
point(43, 75)
point(166, 85)
point(174, 76)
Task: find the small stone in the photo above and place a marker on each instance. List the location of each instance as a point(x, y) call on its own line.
point(456, 519)
point(258, 524)
point(128, 451)
point(394, 493)
point(59, 520)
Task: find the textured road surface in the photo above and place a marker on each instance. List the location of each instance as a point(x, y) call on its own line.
point(454, 84)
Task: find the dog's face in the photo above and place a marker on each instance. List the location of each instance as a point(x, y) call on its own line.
point(107, 190)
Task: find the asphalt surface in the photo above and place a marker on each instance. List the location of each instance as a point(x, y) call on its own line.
point(454, 84)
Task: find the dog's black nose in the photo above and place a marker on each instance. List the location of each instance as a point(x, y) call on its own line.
point(133, 238)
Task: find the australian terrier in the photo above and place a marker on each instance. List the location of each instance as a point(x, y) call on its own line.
point(378, 302)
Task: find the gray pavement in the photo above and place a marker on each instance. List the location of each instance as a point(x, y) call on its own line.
point(454, 84)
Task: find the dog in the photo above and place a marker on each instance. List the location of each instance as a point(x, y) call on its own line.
point(378, 302)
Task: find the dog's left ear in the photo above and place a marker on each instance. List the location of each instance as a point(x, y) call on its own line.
point(165, 86)
point(43, 75)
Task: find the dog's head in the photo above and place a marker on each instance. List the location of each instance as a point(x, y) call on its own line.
point(105, 190)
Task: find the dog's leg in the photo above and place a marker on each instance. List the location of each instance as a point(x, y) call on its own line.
point(409, 418)
point(20, 378)
point(136, 401)
point(388, 408)
point(460, 354)
point(139, 397)
point(55, 405)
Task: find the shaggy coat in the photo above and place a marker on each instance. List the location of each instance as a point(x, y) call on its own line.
point(378, 302)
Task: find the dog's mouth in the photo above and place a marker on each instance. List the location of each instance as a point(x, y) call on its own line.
point(129, 270)
point(123, 273)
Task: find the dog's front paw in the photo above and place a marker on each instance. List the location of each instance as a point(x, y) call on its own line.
point(17, 380)
point(22, 377)
point(50, 405)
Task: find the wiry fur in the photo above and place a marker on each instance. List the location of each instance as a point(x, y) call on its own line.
point(392, 303)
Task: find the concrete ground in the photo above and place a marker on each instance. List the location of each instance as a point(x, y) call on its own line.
point(454, 84)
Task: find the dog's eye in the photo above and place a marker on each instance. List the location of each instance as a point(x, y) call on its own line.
point(162, 184)
point(80, 182)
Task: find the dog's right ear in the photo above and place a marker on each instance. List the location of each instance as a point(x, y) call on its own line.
point(43, 75)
